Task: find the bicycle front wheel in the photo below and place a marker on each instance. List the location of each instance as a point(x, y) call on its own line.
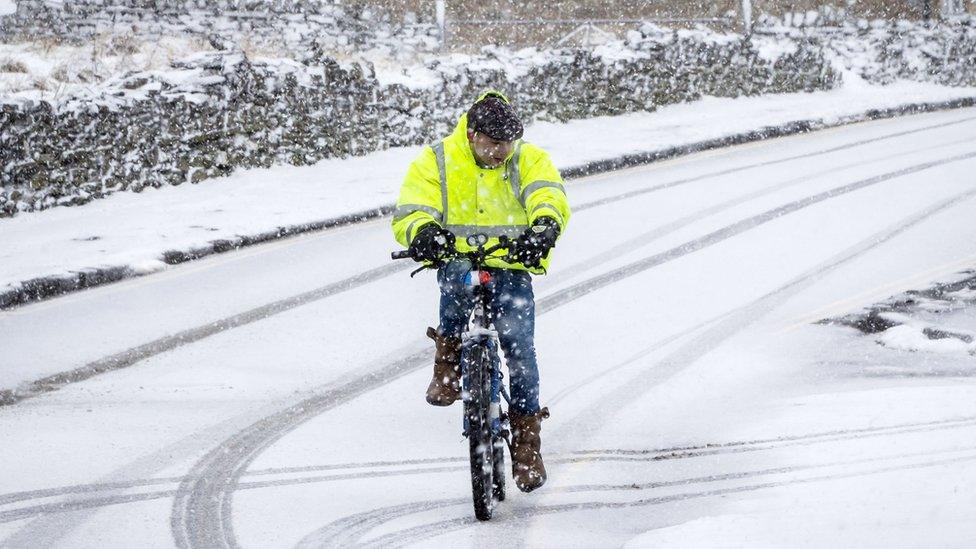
point(477, 410)
point(498, 465)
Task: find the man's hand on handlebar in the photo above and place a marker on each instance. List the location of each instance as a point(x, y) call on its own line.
point(532, 245)
point(432, 243)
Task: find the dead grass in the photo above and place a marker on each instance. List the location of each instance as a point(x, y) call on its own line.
point(8, 64)
point(122, 44)
point(255, 46)
point(61, 73)
point(41, 84)
point(46, 44)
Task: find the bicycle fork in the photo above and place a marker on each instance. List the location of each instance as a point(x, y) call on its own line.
point(498, 391)
point(480, 334)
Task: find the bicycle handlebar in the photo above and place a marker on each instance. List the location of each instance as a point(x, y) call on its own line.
point(477, 256)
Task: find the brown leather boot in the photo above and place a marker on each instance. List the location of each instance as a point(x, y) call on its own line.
point(527, 466)
point(445, 387)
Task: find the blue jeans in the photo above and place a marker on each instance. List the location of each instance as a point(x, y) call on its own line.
point(513, 314)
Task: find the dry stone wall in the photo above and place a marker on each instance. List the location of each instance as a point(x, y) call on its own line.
point(221, 111)
point(217, 112)
point(929, 52)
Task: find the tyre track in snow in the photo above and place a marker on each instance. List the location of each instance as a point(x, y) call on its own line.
point(631, 389)
point(646, 238)
point(576, 291)
point(664, 257)
point(159, 346)
point(100, 495)
point(349, 531)
point(643, 239)
point(164, 344)
point(774, 162)
point(201, 515)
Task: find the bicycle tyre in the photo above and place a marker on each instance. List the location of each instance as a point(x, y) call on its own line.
point(498, 463)
point(479, 432)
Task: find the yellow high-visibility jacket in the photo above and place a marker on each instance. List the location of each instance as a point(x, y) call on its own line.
point(445, 185)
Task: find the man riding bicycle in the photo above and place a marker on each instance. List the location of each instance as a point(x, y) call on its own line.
point(483, 179)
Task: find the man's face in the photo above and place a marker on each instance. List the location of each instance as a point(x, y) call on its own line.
point(490, 153)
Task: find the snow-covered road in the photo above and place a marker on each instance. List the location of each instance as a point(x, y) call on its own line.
point(275, 396)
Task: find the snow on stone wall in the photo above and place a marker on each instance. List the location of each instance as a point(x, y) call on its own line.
point(883, 51)
point(216, 112)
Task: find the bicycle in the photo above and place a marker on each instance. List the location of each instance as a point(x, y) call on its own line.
point(485, 423)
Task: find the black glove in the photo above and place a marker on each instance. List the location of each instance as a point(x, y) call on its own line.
point(431, 243)
point(532, 245)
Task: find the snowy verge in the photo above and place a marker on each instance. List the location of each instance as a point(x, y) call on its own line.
point(52, 252)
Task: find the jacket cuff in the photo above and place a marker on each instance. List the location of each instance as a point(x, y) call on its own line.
point(422, 228)
point(549, 221)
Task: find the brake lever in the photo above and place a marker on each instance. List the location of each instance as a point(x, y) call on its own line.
point(435, 264)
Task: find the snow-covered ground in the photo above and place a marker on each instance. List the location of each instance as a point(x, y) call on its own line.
point(277, 395)
point(134, 230)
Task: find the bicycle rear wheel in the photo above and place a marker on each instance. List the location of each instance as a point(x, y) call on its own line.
point(477, 410)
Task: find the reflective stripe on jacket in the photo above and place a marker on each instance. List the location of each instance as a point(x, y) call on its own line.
point(445, 185)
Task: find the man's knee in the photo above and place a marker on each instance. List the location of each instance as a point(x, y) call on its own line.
point(518, 351)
